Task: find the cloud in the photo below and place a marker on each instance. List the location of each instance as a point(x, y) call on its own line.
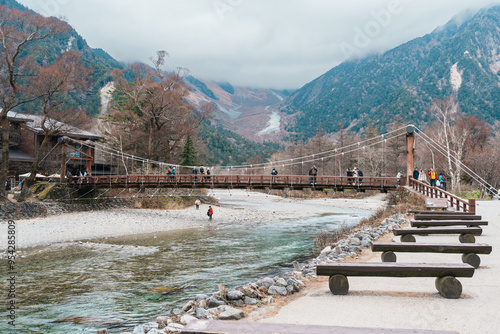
point(269, 44)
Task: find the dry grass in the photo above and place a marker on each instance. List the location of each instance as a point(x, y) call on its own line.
point(400, 202)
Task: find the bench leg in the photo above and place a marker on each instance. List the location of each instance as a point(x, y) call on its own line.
point(339, 285)
point(408, 238)
point(449, 287)
point(388, 256)
point(472, 259)
point(467, 238)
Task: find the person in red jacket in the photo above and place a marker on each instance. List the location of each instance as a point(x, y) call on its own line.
point(210, 212)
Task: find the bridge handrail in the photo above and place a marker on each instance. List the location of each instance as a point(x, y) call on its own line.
point(230, 179)
point(434, 192)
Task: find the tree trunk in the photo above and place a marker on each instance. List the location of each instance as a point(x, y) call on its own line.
point(30, 180)
point(5, 127)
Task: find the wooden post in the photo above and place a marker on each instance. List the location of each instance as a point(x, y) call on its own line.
point(472, 205)
point(410, 152)
point(90, 159)
point(63, 162)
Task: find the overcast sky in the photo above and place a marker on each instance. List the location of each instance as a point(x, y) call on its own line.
point(281, 44)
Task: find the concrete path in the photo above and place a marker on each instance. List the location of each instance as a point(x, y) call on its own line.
point(412, 303)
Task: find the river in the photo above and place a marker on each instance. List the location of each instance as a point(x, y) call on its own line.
point(117, 283)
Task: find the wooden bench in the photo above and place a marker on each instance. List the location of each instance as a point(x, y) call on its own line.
point(431, 212)
point(445, 273)
point(245, 327)
point(426, 216)
point(428, 223)
point(469, 251)
point(466, 233)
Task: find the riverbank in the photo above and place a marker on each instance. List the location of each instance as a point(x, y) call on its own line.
point(373, 301)
point(237, 207)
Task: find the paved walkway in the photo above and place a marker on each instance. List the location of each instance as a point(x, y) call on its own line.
point(412, 303)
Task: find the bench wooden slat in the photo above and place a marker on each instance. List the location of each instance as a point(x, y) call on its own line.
point(433, 212)
point(417, 223)
point(245, 327)
point(438, 230)
point(446, 217)
point(431, 248)
point(392, 269)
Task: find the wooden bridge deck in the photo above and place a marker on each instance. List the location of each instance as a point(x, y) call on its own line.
point(338, 183)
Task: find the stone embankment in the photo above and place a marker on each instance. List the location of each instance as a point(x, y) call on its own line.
point(28, 210)
point(227, 304)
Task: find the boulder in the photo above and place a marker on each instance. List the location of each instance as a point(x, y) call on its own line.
point(231, 314)
point(189, 305)
point(201, 297)
point(281, 282)
point(238, 303)
point(203, 303)
point(214, 302)
point(249, 291)
point(277, 290)
point(186, 318)
point(200, 312)
point(162, 321)
point(235, 294)
point(267, 282)
point(250, 300)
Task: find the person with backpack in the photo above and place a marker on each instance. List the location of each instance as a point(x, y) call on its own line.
point(432, 177)
point(210, 212)
point(442, 181)
point(312, 173)
point(274, 172)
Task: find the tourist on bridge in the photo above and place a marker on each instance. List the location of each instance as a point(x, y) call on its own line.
point(202, 172)
point(350, 172)
point(195, 173)
point(442, 181)
point(173, 174)
point(421, 177)
point(398, 176)
point(432, 177)
point(416, 174)
point(313, 172)
point(210, 212)
point(274, 172)
point(359, 174)
point(208, 174)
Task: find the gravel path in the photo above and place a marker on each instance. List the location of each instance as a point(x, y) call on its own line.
point(236, 207)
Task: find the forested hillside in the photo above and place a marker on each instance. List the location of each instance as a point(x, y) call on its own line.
point(459, 58)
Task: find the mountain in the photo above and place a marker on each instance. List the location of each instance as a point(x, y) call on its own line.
point(252, 113)
point(461, 58)
point(97, 59)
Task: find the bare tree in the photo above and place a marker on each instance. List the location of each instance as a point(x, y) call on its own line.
point(459, 134)
point(52, 84)
point(18, 32)
point(149, 106)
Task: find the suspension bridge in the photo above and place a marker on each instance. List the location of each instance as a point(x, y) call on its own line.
point(152, 174)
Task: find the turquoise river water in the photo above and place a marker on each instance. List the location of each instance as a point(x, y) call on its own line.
point(118, 283)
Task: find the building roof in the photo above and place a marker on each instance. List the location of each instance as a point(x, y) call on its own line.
point(16, 155)
point(34, 123)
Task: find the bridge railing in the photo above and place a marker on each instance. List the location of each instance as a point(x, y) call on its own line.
point(454, 201)
point(228, 181)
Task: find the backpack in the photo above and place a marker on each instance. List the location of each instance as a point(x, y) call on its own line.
point(443, 178)
point(314, 171)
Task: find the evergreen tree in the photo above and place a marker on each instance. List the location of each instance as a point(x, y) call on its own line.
point(189, 155)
